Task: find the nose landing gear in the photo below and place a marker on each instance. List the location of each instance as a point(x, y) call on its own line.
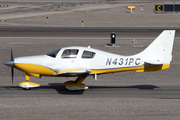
point(28, 85)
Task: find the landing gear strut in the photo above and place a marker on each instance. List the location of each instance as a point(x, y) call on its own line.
point(77, 84)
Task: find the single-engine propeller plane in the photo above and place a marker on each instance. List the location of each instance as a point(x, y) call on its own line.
point(81, 62)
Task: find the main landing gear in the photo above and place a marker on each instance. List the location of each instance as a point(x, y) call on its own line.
point(77, 84)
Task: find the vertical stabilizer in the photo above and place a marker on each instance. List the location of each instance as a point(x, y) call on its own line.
point(160, 50)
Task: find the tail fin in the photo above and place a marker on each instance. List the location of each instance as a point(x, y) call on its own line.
point(160, 50)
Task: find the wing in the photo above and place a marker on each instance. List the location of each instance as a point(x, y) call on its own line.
point(73, 71)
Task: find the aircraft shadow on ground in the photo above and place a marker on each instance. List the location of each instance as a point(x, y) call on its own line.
point(145, 87)
point(61, 89)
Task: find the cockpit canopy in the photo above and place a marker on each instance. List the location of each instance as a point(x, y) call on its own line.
point(72, 53)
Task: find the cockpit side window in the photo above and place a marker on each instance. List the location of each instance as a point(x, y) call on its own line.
point(88, 54)
point(70, 53)
point(53, 53)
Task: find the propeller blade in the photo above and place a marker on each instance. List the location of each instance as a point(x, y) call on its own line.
point(12, 68)
point(12, 73)
point(12, 59)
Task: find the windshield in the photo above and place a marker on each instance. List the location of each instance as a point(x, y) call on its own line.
point(53, 53)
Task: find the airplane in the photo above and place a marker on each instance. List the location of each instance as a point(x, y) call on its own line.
point(81, 62)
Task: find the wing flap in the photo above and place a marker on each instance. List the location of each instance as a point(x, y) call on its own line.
point(73, 71)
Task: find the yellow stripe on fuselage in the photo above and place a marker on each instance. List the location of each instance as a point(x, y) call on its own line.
point(35, 69)
point(138, 69)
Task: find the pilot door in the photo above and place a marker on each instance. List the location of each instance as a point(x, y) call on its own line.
point(69, 58)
